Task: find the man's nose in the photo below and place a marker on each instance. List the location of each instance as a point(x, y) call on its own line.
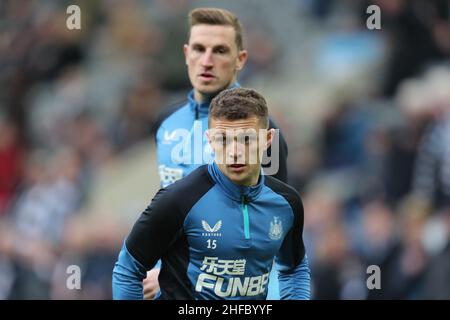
point(236, 151)
point(207, 60)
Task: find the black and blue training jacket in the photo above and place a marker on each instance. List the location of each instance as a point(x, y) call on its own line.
point(217, 240)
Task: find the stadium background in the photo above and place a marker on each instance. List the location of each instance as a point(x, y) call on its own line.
point(365, 113)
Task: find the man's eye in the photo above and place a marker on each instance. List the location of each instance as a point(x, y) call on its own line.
point(198, 49)
point(247, 139)
point(221, 50)
point(221, 140)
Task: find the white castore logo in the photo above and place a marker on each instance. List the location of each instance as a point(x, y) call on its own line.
point(212, 231)
point(169, 137)
point(276, 229)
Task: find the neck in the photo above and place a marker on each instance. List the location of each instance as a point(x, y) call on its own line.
point(201, 98)
point(252, 181)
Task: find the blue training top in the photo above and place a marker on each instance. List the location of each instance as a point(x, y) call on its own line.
point(217, 240)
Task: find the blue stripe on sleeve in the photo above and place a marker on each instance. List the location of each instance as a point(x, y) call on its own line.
point(295, 283)
point(127, 278)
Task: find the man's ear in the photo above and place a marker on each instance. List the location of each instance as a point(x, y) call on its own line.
point(209, 135)
point(242, 59)
point(186, 52)
point(269, 138)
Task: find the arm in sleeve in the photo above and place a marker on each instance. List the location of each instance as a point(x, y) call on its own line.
point(292, 263)
point(128, 274)
point(156, 229)
point(295, 283)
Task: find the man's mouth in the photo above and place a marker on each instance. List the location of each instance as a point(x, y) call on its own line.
point(237, 167)
point(206, 76)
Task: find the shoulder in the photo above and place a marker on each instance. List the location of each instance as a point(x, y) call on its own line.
point(272, 124)
point(188, 190)
point(286, 191)
point(167, 113)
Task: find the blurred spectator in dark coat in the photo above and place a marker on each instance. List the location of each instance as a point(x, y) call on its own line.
point(416, 35)
point(437, 278)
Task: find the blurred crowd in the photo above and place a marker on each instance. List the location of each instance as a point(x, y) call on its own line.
point(374, 172)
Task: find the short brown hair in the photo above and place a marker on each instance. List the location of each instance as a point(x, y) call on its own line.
point(239, 103)
point(215, 16)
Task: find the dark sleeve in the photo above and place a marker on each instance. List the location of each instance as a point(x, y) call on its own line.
point(292, 250)
point(277, 170)
point(294, 275)
point(157, 228)
point(162, 223)
point(291, 261)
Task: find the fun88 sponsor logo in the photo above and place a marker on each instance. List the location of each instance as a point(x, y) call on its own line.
point(230, 286)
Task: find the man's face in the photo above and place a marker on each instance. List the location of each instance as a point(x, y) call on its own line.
point(238, 146)
point(213, 59)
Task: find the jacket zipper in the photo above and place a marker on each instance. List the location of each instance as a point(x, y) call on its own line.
point(245, 216)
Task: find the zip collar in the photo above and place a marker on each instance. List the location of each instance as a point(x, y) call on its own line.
point(242, 194)
point(201, 109)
